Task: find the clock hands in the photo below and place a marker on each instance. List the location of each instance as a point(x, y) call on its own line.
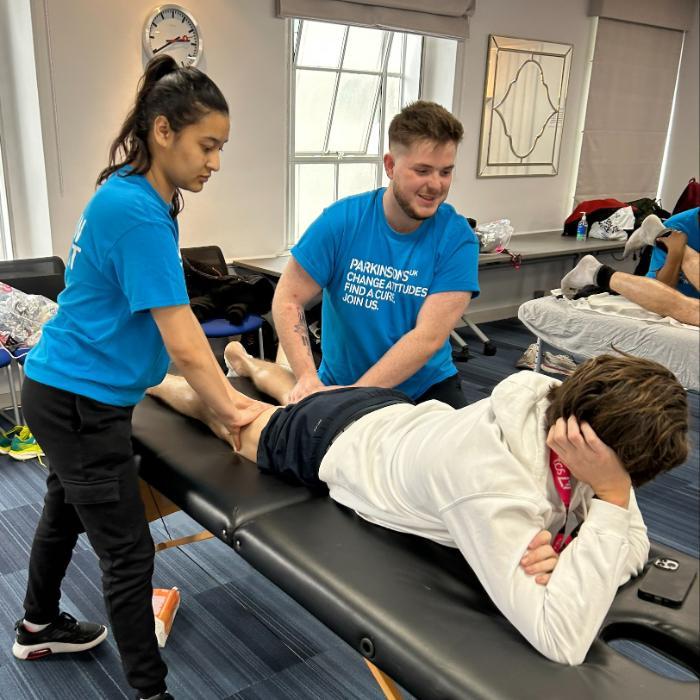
point(178, 39)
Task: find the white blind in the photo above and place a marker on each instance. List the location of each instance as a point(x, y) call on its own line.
point(443, 18)
point(669, 14)
point(629, 106)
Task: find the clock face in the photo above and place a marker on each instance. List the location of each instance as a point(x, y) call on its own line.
point(172, 29)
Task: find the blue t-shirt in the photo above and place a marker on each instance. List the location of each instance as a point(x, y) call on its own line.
point(124, 260)
point(686, 221)
point(375, 281)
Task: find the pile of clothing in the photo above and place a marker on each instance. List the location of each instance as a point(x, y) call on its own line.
point(610, 219)
point(230, 296)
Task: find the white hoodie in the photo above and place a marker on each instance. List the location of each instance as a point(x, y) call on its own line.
point(478, 478)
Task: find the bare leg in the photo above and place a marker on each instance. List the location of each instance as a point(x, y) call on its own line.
point(271, 378)
point(657, 297)
point(179, 395)
point(675, 245)
point(691, 266)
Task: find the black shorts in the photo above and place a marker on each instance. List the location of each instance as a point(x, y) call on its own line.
point(296, 438)
point(448, 391)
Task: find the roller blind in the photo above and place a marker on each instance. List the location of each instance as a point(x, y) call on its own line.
point(630, 97)
point(443, 18)
point(669, 14)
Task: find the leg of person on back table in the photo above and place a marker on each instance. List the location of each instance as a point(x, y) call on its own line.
point(680, 265)
point(647, 292)
point(676, 249)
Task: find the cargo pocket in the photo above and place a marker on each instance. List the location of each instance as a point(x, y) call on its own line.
point(91, 492)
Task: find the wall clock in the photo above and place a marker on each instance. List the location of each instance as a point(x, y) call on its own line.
point(173, 30)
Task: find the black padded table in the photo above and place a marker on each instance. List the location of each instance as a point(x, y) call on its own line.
point(412, 607)
point(417, 611)
point(201, 474)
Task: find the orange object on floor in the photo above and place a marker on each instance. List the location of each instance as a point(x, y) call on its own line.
point(166, 602)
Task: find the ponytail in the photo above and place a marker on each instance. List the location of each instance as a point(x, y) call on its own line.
point(182, 95)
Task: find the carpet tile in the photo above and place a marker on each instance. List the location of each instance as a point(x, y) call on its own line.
point(237, 636)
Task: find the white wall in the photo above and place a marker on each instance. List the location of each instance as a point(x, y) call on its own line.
point(91, 70)
point(683, 156)
point(531, 203)
point(28, 205)
point(95, 60)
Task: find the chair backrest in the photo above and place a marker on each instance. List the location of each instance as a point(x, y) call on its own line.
point(43, 276)
point(208, 255)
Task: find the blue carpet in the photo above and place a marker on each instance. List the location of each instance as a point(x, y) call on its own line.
point(237, 636)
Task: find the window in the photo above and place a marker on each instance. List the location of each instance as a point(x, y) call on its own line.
point(346, 83)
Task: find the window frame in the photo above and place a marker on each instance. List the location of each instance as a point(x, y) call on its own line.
point(337, 158)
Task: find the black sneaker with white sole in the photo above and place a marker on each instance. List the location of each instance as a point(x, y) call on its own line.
point(63, 635)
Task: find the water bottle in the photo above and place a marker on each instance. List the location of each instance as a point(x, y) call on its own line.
point(582, 228)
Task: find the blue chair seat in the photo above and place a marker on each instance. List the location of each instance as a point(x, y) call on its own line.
point(6, 364)
point(221, 328)
point(21, 354)
point(5, 358)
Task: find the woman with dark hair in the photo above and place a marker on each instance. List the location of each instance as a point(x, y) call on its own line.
point(123, 313)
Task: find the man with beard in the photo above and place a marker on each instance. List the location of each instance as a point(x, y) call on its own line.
point(397, 267)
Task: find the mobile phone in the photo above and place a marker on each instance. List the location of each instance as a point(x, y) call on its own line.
point(667, 582)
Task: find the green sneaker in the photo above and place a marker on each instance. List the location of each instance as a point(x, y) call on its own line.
point(7, 437)
point(24, 446)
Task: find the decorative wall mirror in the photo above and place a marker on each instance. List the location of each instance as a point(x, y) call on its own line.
point(524, 99)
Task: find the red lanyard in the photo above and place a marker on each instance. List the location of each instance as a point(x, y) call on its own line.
point(562, 483)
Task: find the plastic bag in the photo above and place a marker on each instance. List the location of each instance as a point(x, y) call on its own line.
point(22, 316)
point(494, 236)
point(615, 227)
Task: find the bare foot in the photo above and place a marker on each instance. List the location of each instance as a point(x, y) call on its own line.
point(169, 384)
point(236, 358)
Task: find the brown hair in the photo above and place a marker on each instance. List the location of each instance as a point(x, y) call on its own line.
point(635, 406)
point(424, 121)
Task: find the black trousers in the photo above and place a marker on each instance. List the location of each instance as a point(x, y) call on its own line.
point(92, 487)
point(448, 391)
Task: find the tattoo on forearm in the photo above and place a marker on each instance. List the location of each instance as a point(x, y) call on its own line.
point(302, 330)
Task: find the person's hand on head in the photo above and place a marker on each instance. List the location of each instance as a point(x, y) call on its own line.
point(540, 559)
point(590, 460)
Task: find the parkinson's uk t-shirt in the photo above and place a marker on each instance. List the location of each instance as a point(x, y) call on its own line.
point(375, 281)
point(688, 222)
point(123, 261)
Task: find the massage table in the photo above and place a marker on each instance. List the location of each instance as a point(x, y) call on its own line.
point(412, 608)
point(586, 333)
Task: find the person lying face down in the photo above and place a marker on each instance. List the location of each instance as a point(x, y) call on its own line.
point(489, 477)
